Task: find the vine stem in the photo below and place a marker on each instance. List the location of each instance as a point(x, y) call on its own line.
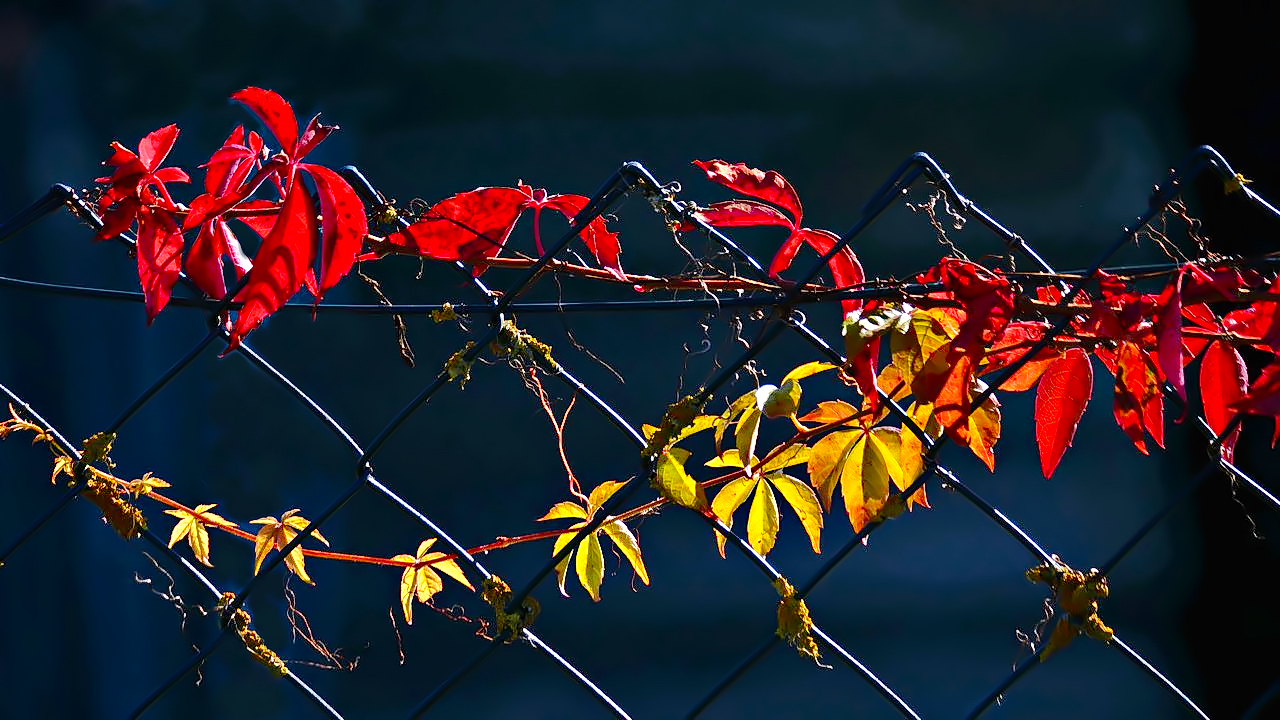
point(802, 435)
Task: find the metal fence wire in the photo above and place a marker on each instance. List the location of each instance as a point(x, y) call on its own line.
point(781, 319)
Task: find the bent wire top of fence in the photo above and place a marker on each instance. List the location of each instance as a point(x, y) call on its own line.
point(514, 610)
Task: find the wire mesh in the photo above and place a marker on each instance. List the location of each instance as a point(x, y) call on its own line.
point(783, 319)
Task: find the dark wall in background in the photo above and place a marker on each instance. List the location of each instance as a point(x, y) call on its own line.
point(1058, 121)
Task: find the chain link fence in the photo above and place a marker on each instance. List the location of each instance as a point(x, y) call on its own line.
point(779, 319)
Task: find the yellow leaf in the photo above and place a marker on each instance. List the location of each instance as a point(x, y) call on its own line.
point(449, 567)
point(674, 483)
point(628, 546)
point(62, 465)
point(181, 529)
point(807, 370)
point(297, 564)
point(429, 583)
point(804, 502)
point(263, 543)
point(829, 411)
point(984, 431)
point(408, 582)
point(727, 501)
point(420, 579)
point(865, 478)
point(892, 383)
point(562, 567)
point(792, 455)
point(762, 521)
point(1236, 183)
point(145, 484)
point(746, 433)
point(827, 460)
point(590, 565)
point(275, 534)
point(563, 510)
point(728, 458)
point(601, 494)
point(737, 408)
point(299, 523)
point(911, 450)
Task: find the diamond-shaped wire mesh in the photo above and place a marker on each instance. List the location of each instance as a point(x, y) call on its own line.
point(780, 320)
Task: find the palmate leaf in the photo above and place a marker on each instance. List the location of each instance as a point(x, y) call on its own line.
point(763, 520)
point(862, 463)
point(275, 534)
point(191, 525)
point(588, 556)
point(421, 581)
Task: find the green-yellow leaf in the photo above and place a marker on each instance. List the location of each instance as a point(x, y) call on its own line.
point(562, 567)
point(792, 455)
point(601, 494)
point(590, 565)
point(804, 502)
point(700, 423)
point(738, 406)
point(746, 433)
point(628, 546)
point(728, 458)
point(674, 483)
point(762, 521)
point(728, 500)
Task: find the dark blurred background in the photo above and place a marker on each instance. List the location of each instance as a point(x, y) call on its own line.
point(1057, 120)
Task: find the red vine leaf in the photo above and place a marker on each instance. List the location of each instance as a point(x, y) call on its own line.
point(1168, 328)
point(769, 186)
point(1061, 397)
point(159, 253)
point(281, 263)
point(343, 225)
point(1223, 381)
point(1263, 397)
point(1135, 384)
point(275, 112)
point(467, 226)
point(602, 243)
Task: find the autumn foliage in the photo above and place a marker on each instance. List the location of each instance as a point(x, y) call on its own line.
point(265, 225)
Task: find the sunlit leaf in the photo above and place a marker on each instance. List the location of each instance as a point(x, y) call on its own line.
point(804, 502)
point(628, 546)
point(590, 565)
point(1061, 397)
point(674, 483)
point(191, 525)
point(762, 521)
point(275, 534)
point(727, 501)
point(420, 580)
